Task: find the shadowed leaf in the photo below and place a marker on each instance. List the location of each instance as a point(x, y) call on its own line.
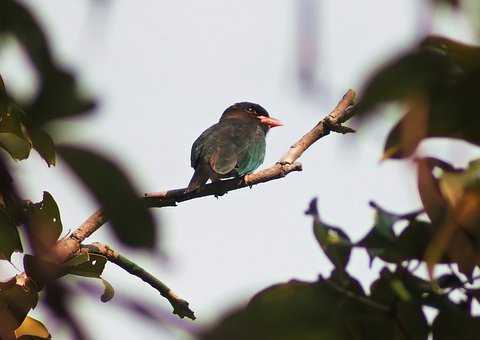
point(336, 308)
point(453, 324)
point(45, 223)
point(333, 241)
point(15, 303)
point(131, 221)
point(12, 137)
point(9, 237)
point(43, 144)
point(93, 267)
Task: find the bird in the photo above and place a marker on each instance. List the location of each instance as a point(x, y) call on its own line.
point(233, 147)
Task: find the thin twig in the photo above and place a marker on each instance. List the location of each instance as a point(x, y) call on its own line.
point(180, 306)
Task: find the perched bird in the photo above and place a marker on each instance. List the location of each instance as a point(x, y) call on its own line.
point(233, 147)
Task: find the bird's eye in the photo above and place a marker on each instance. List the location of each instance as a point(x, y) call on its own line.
point(250, 109)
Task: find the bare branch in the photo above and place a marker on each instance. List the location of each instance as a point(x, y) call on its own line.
point(180, 306)
point(66, 248)
point(69, 246)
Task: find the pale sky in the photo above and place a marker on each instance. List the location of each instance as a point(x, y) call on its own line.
point(163, 72)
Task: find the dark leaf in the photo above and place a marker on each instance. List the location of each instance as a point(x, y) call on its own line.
point(45, 224)
point(381, 236)
point(438, 80)
point(407, 320)
point(12, 137)
point(43, 144)
point(93, 267)
point(132, 222)
point(59, 95)
point(449, 281)
point(9, 237)
point(328, 309)
point(15, 303)
point(454, 324)
point(333, 241)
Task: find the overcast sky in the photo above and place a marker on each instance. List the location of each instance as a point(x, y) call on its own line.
point(163, 72)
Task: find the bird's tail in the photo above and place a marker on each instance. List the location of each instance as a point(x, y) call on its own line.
point(199, 178)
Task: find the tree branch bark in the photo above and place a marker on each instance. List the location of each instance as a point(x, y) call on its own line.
point(180, 306)
point(66, 248)
point(69, 246)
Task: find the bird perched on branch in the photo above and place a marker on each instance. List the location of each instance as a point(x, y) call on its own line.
point(233, 147)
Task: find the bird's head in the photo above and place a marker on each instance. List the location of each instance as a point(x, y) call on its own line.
point(255, 112)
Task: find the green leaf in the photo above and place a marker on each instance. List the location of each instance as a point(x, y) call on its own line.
point(381, 236)
point(43, 144)
point(45, 224)
point(332, 240)
point(132, 222)
point(15, 303)
point(453, 324)
point(77, 260)
point(32, 329)
point(12, 137)
point(58, 95)
point(438, 80)
point(336, 308)
point(9, 237)
point(406, 320)
point(92, 268)
point(108, 292)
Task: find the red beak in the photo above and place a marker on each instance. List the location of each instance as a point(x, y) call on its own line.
point(270, 121)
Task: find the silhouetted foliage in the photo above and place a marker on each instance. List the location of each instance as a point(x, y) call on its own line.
point(437, 80)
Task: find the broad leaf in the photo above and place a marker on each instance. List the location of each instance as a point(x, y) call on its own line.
point(132, 222)
point(58, 95)
point(93, 267)
point(9, 237)
point(381, 236)
point(12, 137)
point(455, 324)
point(108, 292)
point(336, 308)
point(45, 223)
point(15, 303)
point(438, 80)
point(407, 320)
point(333, 241)
point(43, 144)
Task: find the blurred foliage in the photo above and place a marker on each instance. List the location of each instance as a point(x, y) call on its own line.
point(24, 125)
point(437, 81)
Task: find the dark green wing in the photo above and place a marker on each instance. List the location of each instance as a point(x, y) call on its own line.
point(229, 146)
point(198, 145)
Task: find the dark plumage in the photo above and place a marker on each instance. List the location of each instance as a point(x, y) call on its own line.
point(233, 147)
